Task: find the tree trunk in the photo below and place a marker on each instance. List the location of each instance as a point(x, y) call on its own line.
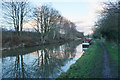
point(54, 34)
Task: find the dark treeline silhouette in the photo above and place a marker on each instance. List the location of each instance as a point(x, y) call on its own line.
point(107, 25)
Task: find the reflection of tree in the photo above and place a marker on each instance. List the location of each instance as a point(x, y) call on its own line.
point(47, 62)
point(19, 67)
point(51, 59)
point(16, 69)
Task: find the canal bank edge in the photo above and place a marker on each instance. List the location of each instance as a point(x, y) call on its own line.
point(90, 64)
point(37, 44)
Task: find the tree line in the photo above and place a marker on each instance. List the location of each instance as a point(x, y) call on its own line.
point(107, 25)
point(49, 23)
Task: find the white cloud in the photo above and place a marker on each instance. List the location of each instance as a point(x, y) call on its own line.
point(85, 23)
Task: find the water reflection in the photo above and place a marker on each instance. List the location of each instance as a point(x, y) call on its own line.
point(46, 62)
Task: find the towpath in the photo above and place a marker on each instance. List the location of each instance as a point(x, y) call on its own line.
point(106, 68)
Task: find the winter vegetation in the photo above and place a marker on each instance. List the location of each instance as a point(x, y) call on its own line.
point(39, 42)
point(49, 25)
point(101, 59)
point(107, 26)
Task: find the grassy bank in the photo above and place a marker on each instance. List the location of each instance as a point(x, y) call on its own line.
point(10, 39)
point(27, 39)
point(91, 63)
point(88, 66)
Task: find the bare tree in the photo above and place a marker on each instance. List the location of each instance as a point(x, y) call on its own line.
point(14, 13)
point(47, 18)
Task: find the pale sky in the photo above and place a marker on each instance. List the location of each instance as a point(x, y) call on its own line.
point(81, 12)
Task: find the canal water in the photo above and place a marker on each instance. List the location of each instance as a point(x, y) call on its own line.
point(41, 61)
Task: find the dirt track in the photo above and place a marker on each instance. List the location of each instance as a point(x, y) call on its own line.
point(106, 68)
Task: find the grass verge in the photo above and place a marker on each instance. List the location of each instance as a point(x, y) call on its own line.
point(88, 66)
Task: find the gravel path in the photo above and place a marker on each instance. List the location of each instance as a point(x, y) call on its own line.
point(106, 69)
